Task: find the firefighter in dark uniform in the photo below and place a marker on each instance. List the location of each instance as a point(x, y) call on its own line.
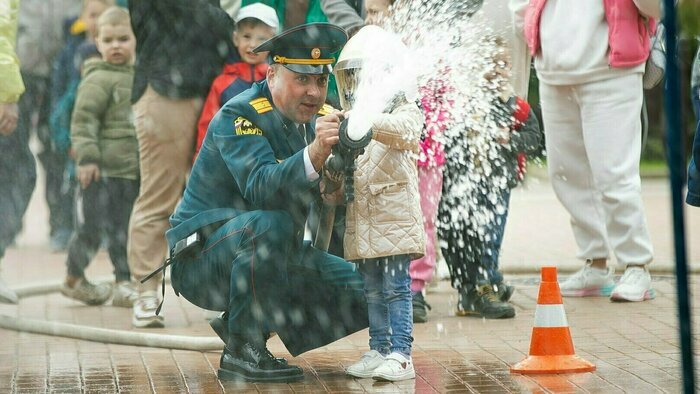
point(237, 237)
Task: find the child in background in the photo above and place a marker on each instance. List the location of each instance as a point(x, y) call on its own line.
point(106, 152)
point(475, 272)
point(255, 24)
point(384, 228)
point(65, 77)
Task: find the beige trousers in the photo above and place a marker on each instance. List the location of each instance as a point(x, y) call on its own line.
point(166, 130)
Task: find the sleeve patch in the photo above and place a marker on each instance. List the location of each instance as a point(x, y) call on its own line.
point(245, 127)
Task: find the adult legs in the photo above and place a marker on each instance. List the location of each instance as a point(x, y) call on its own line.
point(570, 169)
point(18, 177)
point(612, 137)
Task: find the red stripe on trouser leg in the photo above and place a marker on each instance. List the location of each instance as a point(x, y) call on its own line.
point(551, 341)
point(549, 294)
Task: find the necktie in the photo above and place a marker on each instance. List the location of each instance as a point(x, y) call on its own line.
point(302, 132)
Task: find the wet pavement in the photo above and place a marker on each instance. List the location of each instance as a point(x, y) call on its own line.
point(634, 346)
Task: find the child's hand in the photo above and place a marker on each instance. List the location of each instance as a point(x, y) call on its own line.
point(87, 173)
point(331, 192)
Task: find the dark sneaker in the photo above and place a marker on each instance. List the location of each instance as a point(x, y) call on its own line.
point(420, 308)
point(504, 291)
point(483, 302)
point(251, 363)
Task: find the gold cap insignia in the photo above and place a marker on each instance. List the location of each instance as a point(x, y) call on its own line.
point(316, 53)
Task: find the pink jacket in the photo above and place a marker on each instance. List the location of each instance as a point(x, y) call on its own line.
point(437, 116)
point(628, 35)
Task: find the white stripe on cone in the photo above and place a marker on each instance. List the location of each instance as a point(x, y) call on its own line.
point(550, 316)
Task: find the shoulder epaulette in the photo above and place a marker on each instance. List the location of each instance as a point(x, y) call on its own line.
point(261, 105)
point(326, 109)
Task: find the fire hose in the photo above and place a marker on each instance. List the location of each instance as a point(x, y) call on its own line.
point(97, 334)
point(339, 170)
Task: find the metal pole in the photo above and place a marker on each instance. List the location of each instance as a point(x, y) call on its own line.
point(676, 164)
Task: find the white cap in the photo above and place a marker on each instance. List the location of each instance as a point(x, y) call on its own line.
point(261, 12)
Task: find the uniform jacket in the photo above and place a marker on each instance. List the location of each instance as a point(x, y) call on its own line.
point(251, 162)
point(257, 164)
point(102, 128)
point(11, 87)
point(385, 218)
point(234, 79)
point(628, 34)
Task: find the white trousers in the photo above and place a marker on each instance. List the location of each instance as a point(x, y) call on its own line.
point(593, 135)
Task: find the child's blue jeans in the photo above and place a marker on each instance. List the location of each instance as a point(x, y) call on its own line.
point(388, 293)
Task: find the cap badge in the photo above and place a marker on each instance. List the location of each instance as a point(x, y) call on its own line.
point(315, 53)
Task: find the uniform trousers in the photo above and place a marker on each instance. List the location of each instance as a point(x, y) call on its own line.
point(593, 137)
point(257, 267)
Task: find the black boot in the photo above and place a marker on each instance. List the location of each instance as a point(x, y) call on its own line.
point(246, 361)
point(220, 326)
point(420, 313)
point(483, 301)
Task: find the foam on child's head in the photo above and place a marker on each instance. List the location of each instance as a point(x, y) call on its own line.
point(114, 16)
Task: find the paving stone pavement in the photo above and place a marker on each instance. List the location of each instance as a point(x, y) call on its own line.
point(635, 346)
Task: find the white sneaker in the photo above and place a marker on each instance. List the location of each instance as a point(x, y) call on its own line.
point(367, 364)
point(589, 282)
point(635, 285)
point(394, 368)
point(145, 311)
point(7, 295)
point(125, 294)
point(88, 293)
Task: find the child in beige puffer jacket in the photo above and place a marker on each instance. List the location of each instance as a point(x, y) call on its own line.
point(384, 223)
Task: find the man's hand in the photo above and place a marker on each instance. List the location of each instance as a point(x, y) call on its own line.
point(87, 173)
point(327, 127)
point(8, 118)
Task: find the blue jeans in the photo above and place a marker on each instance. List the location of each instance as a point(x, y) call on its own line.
point(492, 246)
point(389, 303)
point(693, 197)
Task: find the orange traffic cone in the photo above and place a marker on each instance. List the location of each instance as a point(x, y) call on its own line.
point(551, 347)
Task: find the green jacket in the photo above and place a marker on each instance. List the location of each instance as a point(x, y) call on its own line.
point(314, 13)
point(11, 86)
point(102, 125)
